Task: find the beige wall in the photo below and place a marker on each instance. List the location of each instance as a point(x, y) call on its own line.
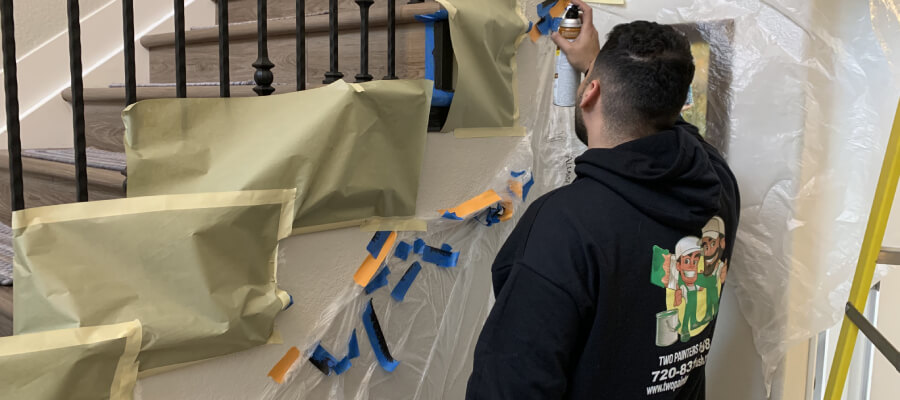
point(38, 21)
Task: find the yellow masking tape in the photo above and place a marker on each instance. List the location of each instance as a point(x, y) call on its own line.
point(378, 224)
point(468, 133)
point(370, 266)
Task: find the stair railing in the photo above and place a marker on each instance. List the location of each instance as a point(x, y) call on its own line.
point(263, 76)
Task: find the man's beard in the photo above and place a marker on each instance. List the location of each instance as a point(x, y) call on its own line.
point(710, 266)
point(580, 128)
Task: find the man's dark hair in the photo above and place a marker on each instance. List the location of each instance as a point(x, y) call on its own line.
point(645, 70)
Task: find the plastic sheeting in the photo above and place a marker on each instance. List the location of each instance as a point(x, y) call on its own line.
point(800, 97)
point(353, 151)
point(432, 332)
point(197, 270)
point(84, 363)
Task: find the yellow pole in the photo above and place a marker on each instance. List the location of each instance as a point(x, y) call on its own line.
point(865, 266)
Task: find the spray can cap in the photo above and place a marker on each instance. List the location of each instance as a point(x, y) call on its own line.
point(572, 18)
point(573, 12)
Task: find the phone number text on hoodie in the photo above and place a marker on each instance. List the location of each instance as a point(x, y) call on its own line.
point(689, 359)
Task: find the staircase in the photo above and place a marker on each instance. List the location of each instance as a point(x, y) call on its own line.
point(50, 180)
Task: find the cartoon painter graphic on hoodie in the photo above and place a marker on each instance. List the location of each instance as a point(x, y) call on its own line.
point(693, 278)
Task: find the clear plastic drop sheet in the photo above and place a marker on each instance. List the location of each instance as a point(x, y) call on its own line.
point(433, 331)
point(799, 96)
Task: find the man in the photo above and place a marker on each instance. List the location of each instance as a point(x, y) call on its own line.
point(581, 311)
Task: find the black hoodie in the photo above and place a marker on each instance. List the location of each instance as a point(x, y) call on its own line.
point(608, 287)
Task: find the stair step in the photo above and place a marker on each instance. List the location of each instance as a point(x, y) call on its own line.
point(50, 183)
point(202, 48)
point(245, 10)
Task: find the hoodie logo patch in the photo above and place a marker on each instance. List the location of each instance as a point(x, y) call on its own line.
point(693, 277)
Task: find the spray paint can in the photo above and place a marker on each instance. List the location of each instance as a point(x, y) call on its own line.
point(567, 79)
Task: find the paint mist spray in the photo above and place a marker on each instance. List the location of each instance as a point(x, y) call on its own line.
point(567, 79)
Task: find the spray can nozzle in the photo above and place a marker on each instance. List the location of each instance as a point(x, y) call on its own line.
point(573, 12)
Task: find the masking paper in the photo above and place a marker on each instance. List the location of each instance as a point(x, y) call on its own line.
point(485, 36)
point(197, 270)
point(89, 363)
point(354, 151)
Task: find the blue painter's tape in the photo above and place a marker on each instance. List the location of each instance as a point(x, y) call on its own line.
point(290, 303)
point(402, 251)
point(440, 257)
point(353, 346)
point(342, 366)
point(429, 51)
point(516, 174)
point(352, 352)
point(527, 187)
point(377, 243)
point(451, 215)
point(441, 98)
point(418, 246)
point(323, 360)
point(379, 280)
point(554, 24)
point(543, 10)
point(492, 216)
point(446, 247)
point(400, 289)
point(440, 15)
point(377, 340)
point(544, 25)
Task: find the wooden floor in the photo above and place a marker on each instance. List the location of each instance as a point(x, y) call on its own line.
point(6, 302)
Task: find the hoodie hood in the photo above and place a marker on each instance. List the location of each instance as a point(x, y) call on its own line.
point(672, 176)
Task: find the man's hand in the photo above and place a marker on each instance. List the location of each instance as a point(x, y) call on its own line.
point(582, 52)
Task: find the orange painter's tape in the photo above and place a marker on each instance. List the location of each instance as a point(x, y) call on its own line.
point(560, 8)
point(508, 210)
point(370, 265)
point(516, 187)
point(535, 34)
point(474, 204)
point(280, 370)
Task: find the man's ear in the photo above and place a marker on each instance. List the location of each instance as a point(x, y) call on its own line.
point(591, 94)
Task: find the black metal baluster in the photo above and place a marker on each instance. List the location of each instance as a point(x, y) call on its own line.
point(392, 39)
point(128, 38)
point(333, 74)
point(301, 44)
point(81, 180)
point(224, 65)
point(12, 104)
point(263, 76)
point(363, 75)
point(180, 57)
